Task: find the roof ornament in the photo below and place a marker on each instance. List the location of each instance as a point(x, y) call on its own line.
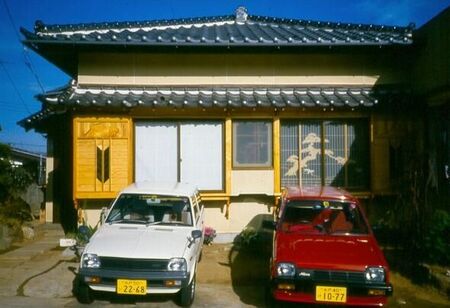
point(241, 14)
point(39, 25)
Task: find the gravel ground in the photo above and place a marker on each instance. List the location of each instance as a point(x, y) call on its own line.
point(41, 275)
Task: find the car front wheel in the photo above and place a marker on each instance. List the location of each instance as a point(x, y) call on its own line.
point(84, 294)
point(186, 295)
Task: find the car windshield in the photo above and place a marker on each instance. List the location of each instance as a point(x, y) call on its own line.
point(323, 217)
point(151, 210)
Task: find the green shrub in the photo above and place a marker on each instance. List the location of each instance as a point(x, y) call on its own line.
point(247, 237)
point(437, 239)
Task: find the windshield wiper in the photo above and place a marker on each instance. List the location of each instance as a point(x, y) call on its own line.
point(131, 221)
point(177, 223)
point(172, 223)
point(153, 223)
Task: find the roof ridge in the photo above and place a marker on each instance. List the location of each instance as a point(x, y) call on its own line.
point(41, 27)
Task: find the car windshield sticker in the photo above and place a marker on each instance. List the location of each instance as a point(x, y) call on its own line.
point(326, 204)
point(153, 200)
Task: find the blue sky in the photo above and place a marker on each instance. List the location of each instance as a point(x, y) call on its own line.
point(23, 74)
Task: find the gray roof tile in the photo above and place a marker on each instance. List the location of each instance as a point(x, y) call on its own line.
point(327, 97)
point(221, 31)
point(208, 97)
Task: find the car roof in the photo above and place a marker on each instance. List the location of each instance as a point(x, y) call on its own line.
point(319, 192)
point(161, 188)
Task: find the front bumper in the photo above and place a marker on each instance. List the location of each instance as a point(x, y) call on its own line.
point(303, 291)
point(106, 280)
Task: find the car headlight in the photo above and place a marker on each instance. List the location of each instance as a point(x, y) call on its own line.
point(285, 269)
point(90, 260)
point(374, 274)
point(177, 264)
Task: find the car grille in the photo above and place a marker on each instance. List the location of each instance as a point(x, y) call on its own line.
point(135, 265)
point(338, 276)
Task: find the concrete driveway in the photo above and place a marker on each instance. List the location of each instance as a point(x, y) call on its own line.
point(40, 274)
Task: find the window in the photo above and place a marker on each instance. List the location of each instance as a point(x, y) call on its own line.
point(189, 152)
point(201, 154)
point(154, 209)
point(156, 152)
point(313, 217)
point(252, 144)
point(334, 153)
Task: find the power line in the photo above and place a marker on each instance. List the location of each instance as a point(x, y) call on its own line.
point(27, 59)
point(15, 88)
point(29, 64)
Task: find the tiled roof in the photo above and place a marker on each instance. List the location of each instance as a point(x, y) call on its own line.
point(240, 29)
point(210, 97)
point(31, 121)
point(326, 97)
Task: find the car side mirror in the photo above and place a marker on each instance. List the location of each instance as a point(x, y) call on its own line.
point(269, 224)
point(196, 234)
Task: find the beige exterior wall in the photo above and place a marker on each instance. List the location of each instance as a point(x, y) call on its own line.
point(252, 182)
point(236, 69)
point(243, 212)
point(91, 216)
point(47, 215)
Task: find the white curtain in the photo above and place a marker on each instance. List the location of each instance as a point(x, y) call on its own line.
point(156, 152)
point(200, 159)
point(202, 154)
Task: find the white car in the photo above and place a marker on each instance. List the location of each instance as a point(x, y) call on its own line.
point(150, 242)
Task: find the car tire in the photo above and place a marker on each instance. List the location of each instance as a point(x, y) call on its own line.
point(187, 294)
point(84, 293)
point(268, 298)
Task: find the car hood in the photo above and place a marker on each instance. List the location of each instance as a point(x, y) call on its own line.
point(329, 252)
point(139, 241)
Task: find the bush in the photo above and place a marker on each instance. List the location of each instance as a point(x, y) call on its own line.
point(15, 209)
point(437, 240)
point(13, 179)
point(247, 237)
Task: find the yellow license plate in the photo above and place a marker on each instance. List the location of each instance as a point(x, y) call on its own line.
point(331, 294)
point(134, 287)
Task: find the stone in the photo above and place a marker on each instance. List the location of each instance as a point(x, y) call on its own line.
point(28, 233)
point(5, 237)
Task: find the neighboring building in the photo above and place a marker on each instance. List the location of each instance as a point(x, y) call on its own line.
point(240, 105)
point(35, 164)
point(432, 87)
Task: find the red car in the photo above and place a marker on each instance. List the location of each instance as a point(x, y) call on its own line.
point(324, 251)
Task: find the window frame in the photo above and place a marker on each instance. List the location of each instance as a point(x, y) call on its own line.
point(247, 166)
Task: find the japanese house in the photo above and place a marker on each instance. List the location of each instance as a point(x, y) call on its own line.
point(240, 105)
